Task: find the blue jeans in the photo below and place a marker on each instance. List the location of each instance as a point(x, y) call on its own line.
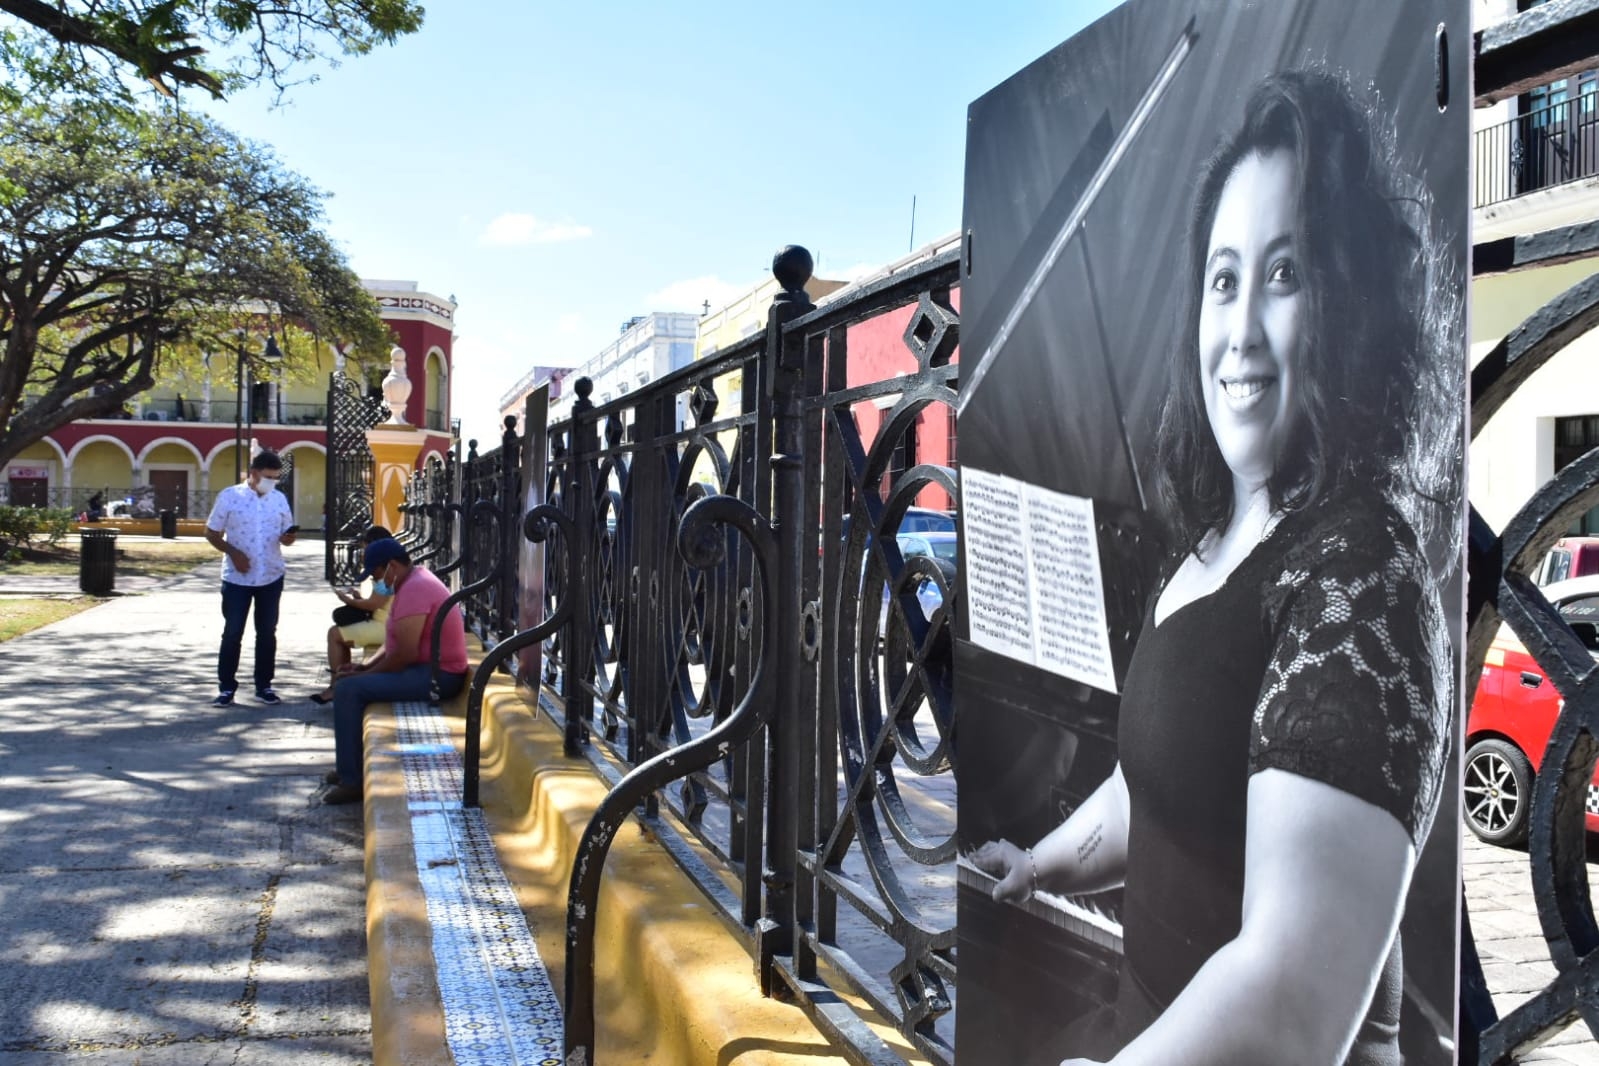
point(352, 694)
point(236, 601)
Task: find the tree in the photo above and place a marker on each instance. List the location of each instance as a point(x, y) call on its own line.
point(86, 44)
point(124, 234)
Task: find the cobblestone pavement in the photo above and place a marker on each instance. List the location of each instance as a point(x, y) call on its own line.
point(1515, 959)
point(173, 892)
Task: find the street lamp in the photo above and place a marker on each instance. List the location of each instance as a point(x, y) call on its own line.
point(242, 419)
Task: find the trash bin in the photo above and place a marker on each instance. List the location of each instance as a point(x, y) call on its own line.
point(169, 524)
point(97, 561)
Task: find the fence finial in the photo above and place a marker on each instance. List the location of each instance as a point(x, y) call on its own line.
point(792, 267)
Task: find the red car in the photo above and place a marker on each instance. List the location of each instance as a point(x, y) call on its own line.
point(1511, 718)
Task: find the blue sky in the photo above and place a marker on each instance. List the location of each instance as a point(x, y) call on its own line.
point(561, 167)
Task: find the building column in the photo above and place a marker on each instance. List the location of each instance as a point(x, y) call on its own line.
point(394, 453)
point(205, 392)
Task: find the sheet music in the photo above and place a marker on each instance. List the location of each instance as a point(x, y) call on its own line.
point(998, 608)
point(1034, 591)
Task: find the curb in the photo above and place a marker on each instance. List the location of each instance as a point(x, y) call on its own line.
point(673, 985)
point(407, 1012)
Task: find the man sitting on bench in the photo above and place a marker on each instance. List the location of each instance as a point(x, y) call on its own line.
point(402, 670)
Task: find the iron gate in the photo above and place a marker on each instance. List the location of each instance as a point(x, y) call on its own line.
point(351, 412)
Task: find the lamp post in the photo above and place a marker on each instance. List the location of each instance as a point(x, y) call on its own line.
point(243, 417)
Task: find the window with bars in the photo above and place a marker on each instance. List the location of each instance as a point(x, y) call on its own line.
point(1574, 438)
point(904, 452)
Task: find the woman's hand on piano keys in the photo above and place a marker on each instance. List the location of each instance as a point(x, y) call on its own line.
point(1012, 865)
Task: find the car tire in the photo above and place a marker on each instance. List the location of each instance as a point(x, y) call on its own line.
point(1498, 792)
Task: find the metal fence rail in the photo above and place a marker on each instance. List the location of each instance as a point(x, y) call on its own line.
point(1538, 149)
point(193, 503)
point(687, 606)
point(732, 636)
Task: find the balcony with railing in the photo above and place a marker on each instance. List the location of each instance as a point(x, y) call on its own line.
point(1540, 149)
point(227, 411)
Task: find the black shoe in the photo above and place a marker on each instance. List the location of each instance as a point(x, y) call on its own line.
point(331, 777)
point(321, 700)
point(223, 699)
point(341, 794)
point(266, 695)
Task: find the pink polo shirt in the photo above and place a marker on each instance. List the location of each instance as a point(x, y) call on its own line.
point(423, 593)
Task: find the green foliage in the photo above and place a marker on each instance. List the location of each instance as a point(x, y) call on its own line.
point(133, 234)
point(20, 525)
point(16, 526)
point(53, 523)
point(96, 46)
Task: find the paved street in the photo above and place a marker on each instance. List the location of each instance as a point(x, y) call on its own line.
point(172, 892)
point(1510, 941)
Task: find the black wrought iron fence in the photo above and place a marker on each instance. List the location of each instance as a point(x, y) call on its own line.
point(428, 527)
point(490, 503)
point(351, 413)
point(769, 686)
point(736, 641)
point(140, 501)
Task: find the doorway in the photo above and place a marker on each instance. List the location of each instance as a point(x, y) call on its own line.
point(171, 491)
point(30, 491)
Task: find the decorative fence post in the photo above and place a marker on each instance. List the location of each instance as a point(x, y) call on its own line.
point(785, 360)
point(511, 497)
point(576, 694)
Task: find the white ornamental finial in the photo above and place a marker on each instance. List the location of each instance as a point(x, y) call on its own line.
point(396, 387)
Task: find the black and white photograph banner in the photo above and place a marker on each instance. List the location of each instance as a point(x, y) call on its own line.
point(1212, 435)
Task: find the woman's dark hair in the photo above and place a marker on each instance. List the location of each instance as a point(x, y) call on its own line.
point(1368, 332)
point(375, 533)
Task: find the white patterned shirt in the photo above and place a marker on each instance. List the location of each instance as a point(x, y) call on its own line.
point(252, 523)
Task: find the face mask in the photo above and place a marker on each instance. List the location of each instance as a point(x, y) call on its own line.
point(382, 588)
point(266, 485)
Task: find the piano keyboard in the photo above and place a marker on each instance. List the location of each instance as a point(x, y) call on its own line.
point(1082, 916)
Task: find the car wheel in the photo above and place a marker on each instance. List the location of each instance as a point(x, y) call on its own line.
point(1498, 788)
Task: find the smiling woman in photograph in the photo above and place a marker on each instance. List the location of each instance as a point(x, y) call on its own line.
point(1285, 715)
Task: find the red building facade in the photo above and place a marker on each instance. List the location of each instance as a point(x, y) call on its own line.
point(178, 447)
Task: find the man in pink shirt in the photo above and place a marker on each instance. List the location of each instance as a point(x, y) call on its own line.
point(403, 669)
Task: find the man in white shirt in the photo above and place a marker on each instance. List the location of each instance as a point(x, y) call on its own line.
point(249, 524)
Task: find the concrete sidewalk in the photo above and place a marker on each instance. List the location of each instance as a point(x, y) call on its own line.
point(173, 891)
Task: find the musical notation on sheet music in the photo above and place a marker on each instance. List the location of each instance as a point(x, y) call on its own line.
point(1081, 916)
point(1034, 591)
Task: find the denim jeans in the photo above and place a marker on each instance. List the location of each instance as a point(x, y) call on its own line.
point(352, 694)
point(236, 601)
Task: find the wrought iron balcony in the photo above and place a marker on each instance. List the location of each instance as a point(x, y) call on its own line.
point(1546, 147)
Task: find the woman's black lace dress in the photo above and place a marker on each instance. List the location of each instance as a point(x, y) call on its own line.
point(1324, 654)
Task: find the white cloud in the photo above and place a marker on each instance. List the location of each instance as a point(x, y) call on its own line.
point(569, 323)
point(690, 294)
point(515, 229)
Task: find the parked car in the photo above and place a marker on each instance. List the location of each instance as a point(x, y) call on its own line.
point(1570, 557)
point(1512, 715)
point(941, 546)
point(917, 520)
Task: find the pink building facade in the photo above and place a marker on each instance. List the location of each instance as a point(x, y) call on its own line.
point(177, 446)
